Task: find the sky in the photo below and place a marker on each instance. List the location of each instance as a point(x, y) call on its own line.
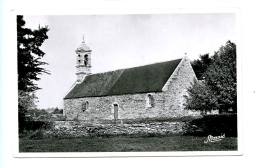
point(123, 41)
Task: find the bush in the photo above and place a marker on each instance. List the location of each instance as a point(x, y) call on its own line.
point(31, 125)
point(214, 125)
point(36, 135)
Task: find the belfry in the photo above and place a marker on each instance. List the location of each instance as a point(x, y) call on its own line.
point(83, 61)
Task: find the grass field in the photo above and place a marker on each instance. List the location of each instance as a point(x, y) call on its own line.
point(126, 144)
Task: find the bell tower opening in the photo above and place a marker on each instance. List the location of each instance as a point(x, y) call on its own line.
point(86, 59)
point(83, 63)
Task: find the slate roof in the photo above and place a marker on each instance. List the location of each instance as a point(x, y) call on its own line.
point(143, 79)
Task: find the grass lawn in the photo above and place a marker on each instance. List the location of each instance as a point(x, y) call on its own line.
point(127, 144)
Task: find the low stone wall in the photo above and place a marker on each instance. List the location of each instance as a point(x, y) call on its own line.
point(79, 129)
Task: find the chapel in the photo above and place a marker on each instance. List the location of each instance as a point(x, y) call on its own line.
point(150, 91)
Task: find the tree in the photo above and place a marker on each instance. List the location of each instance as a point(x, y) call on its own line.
point(29, 55)
point(200, 65)
point(26, 101)
point(200, 98)
point(56, 111)
point(218, 87)
point(29, 62)
point(221, 76)
point(61, 111)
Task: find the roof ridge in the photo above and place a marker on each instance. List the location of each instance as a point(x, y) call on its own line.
point(106, 72)
point(141, 79)
point(153, 63)
point(134, 67)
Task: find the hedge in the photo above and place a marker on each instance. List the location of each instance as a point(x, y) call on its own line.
point(214, 125)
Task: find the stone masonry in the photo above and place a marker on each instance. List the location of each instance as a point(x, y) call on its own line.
point(168, 103)
point(84, 129)
point(176, 88)
point(129, 107)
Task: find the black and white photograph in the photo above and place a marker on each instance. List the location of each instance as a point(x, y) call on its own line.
point(127, 83)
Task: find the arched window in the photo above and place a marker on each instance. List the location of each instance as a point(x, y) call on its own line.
point(85, 106)
point(86, 59)
point(149, 100)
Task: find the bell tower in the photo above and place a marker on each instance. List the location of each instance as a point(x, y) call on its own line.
point(83, 61)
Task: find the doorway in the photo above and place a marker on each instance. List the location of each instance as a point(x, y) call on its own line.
point(115, 111)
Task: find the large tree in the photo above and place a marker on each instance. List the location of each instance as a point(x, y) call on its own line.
point(29, 55)
point(29, 61)
point(201, 98)
point(200, 65)
point(221, 76)
point(218, 89)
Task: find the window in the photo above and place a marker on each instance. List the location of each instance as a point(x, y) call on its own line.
point(86, 59)
point(85, 106)
point(149, 100)
point(115, 110)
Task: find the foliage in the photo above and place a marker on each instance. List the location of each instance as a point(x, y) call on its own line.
point(22, 120)
point(35, 127)
point(26, 99)
point(200, 65)
point(37, 112)
point(214, 125)
point(57, 111)
point(221, 76)
point(36, 135)
point(201, 98)
point(29, 55)
point(29, 67)
point(218, 87)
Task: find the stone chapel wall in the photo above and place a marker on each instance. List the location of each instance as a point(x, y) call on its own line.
point(177, 87)
point(130, 106)
point(168, 103)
